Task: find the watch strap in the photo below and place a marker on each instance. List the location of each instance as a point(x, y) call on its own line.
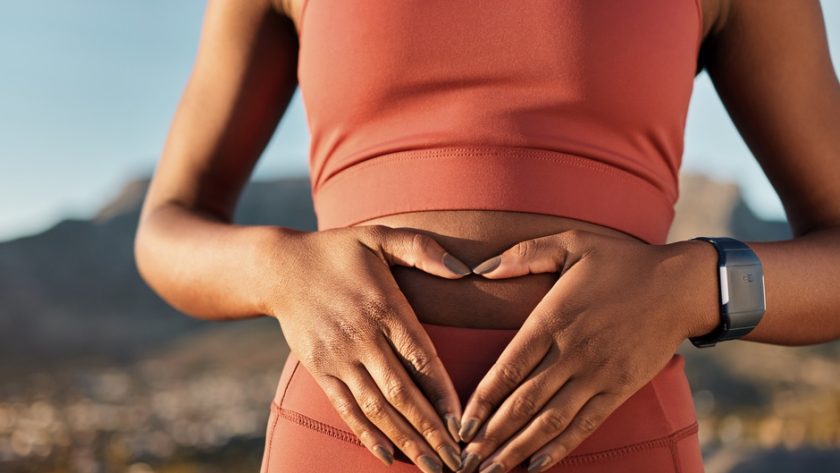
point(733, 325)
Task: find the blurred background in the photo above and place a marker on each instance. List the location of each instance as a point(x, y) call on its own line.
point(98, 375)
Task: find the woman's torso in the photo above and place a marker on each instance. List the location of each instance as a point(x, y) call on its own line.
point(475, 235)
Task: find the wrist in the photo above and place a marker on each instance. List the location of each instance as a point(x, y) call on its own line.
point(272, 263)
point(698, 297)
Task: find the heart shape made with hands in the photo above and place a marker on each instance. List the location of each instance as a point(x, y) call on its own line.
point(537, 402)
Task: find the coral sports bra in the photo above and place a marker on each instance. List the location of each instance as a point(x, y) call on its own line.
point(575, 108)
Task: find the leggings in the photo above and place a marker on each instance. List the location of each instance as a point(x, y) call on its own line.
point(655, 430)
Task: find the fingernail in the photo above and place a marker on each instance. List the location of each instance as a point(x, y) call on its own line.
point(451, 457)
point(488, 265)
point(429, 464)
point(455, 265)
point(469, 429)
point(383, 454)
point(471, 463)
point(538, 462)
point(493, 468)
point(453, 426)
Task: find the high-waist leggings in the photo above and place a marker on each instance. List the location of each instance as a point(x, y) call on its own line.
point(654, 431)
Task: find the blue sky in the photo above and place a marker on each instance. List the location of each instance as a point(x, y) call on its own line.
point(88, 89)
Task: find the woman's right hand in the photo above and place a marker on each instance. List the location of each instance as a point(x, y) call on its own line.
point(346, 319)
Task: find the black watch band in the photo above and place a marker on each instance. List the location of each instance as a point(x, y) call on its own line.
point(740, 290)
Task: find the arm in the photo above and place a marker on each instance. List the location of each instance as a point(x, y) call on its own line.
point(598, 336)
point(243, 79)
point(332, 292)
point(771, 67)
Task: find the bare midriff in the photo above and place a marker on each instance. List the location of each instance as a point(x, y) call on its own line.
point(474, 236)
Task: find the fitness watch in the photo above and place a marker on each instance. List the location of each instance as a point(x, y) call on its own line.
point(741, 290)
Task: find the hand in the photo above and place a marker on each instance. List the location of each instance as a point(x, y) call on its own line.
point(346, 319)
point(611, 322)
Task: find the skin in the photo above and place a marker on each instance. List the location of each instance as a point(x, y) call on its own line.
point(349, 300)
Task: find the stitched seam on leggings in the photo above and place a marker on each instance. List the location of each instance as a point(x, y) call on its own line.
point(270, 441)
point(675, 457)
point(666, 441)
point(274, 424)
point(660, 404)
point(289, 382)
point(310, 423)
point(673, 446)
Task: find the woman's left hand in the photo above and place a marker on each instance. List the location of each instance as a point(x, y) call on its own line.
point(610, 323)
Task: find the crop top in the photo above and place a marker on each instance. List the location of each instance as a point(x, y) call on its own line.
point(575, 108)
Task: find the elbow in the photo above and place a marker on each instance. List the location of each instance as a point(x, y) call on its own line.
point(144, 261)
point(142, 256)
point(149, 259)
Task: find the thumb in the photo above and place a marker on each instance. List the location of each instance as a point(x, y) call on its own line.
point(547, 254)
point(410, 248)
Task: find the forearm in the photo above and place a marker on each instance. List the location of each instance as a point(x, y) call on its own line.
point(206, 267)
point(802, 289)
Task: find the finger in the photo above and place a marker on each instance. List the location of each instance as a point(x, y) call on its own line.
point(404, 395)
point(518, 359)
point(525, 351)
point(411, 344)
point(547, 254)
point(590, 417)
point(344, 402)
point(377, 409)
point(558, 415)
point(518, 409)
point(404, 247)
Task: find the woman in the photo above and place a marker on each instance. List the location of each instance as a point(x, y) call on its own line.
point(489, 287)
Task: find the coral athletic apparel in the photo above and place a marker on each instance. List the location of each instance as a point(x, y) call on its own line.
point(574, 108)
point(654, 431)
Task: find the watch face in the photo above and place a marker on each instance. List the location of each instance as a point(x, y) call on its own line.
point(746, 288)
